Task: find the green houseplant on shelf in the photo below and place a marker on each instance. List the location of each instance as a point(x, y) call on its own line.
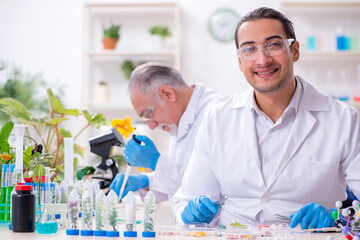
point(111, 36)
point(162, 32)
point(50, 131)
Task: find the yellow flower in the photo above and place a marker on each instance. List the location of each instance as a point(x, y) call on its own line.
point(123, 126)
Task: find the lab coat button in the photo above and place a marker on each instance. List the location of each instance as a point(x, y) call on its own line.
point(265, 199)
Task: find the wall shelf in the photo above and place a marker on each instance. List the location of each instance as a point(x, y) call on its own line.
point(135, 44)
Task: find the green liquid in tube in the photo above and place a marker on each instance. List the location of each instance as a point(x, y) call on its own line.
point(3, 202)
point(8, 201)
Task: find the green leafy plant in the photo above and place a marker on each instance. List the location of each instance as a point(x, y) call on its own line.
point(161, 31)
point(24, 87)
point(112, 32)
point(48, 128)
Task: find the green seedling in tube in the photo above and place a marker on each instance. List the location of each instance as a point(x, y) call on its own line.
point(72, 227)
point(149, 211)
point(112, 211)
point(100, 214)
point(87, 214)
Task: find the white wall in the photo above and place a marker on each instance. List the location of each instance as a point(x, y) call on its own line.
point(46, 36)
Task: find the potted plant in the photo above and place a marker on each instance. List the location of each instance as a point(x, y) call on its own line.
point(161, 31)
point(111, 36)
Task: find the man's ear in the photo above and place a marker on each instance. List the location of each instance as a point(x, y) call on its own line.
point(167, 93)
point(296, 51)
point(240, 64)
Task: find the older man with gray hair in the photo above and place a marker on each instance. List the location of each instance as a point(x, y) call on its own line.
point(164, 100)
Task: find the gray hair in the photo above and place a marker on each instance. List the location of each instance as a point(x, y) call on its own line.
point(149, 77)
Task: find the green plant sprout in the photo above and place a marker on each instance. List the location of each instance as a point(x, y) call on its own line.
point(87, 211)
point(112, 211)
point(112, 32)
point(161, 31)
point(100, 211)
point(149, 208)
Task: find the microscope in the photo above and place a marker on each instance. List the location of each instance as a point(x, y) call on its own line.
point(102, 146)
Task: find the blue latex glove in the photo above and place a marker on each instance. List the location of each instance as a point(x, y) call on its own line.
point(200, 209)
point(134, 183)
point(138, 155)
point(312, 215)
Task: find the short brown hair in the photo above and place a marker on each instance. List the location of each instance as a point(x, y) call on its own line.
point(264, 12)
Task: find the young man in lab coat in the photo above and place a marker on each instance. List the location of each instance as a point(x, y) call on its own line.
point(279, 148)
point(161, 97)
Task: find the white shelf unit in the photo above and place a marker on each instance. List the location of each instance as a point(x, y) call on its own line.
point(135, 44)
point(333, 72)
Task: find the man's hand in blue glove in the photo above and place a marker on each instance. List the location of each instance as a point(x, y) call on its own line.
point(200, 209)
point(139, 155)
point(134, 183)
point(312, 215)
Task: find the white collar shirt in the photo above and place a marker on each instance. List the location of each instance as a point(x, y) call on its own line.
point(267, 133)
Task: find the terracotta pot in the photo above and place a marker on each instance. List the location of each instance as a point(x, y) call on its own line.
point(110, 43)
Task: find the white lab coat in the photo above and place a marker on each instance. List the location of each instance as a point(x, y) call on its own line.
point(166, 179)
point(321, 155)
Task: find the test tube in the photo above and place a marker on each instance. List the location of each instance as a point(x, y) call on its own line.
point(73, 213)
point(19, 136)
point(80, 190)
point(4, 184)
point(95, 188)
point(112, 215)
point(64, 190)
point(69, 159)
point(149, 212)
point(87, 214)
point(86, 185)
point(10, 187)
point(100, 214)
point(71, 186)
point(130, 213)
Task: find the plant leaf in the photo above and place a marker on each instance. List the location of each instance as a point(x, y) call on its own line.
point(56, 106)
point(96, 121)
point(85, 171)
point(79, 150)
point(6, 130)
point(16, 109)
point(65, 133)
point(27, 156)
point(56, 120)
point(4, 146)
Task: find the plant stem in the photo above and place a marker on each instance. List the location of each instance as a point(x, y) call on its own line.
point(37, 130)
point(83, 129)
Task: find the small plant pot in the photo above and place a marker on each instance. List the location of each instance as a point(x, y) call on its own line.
point(110, 43)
